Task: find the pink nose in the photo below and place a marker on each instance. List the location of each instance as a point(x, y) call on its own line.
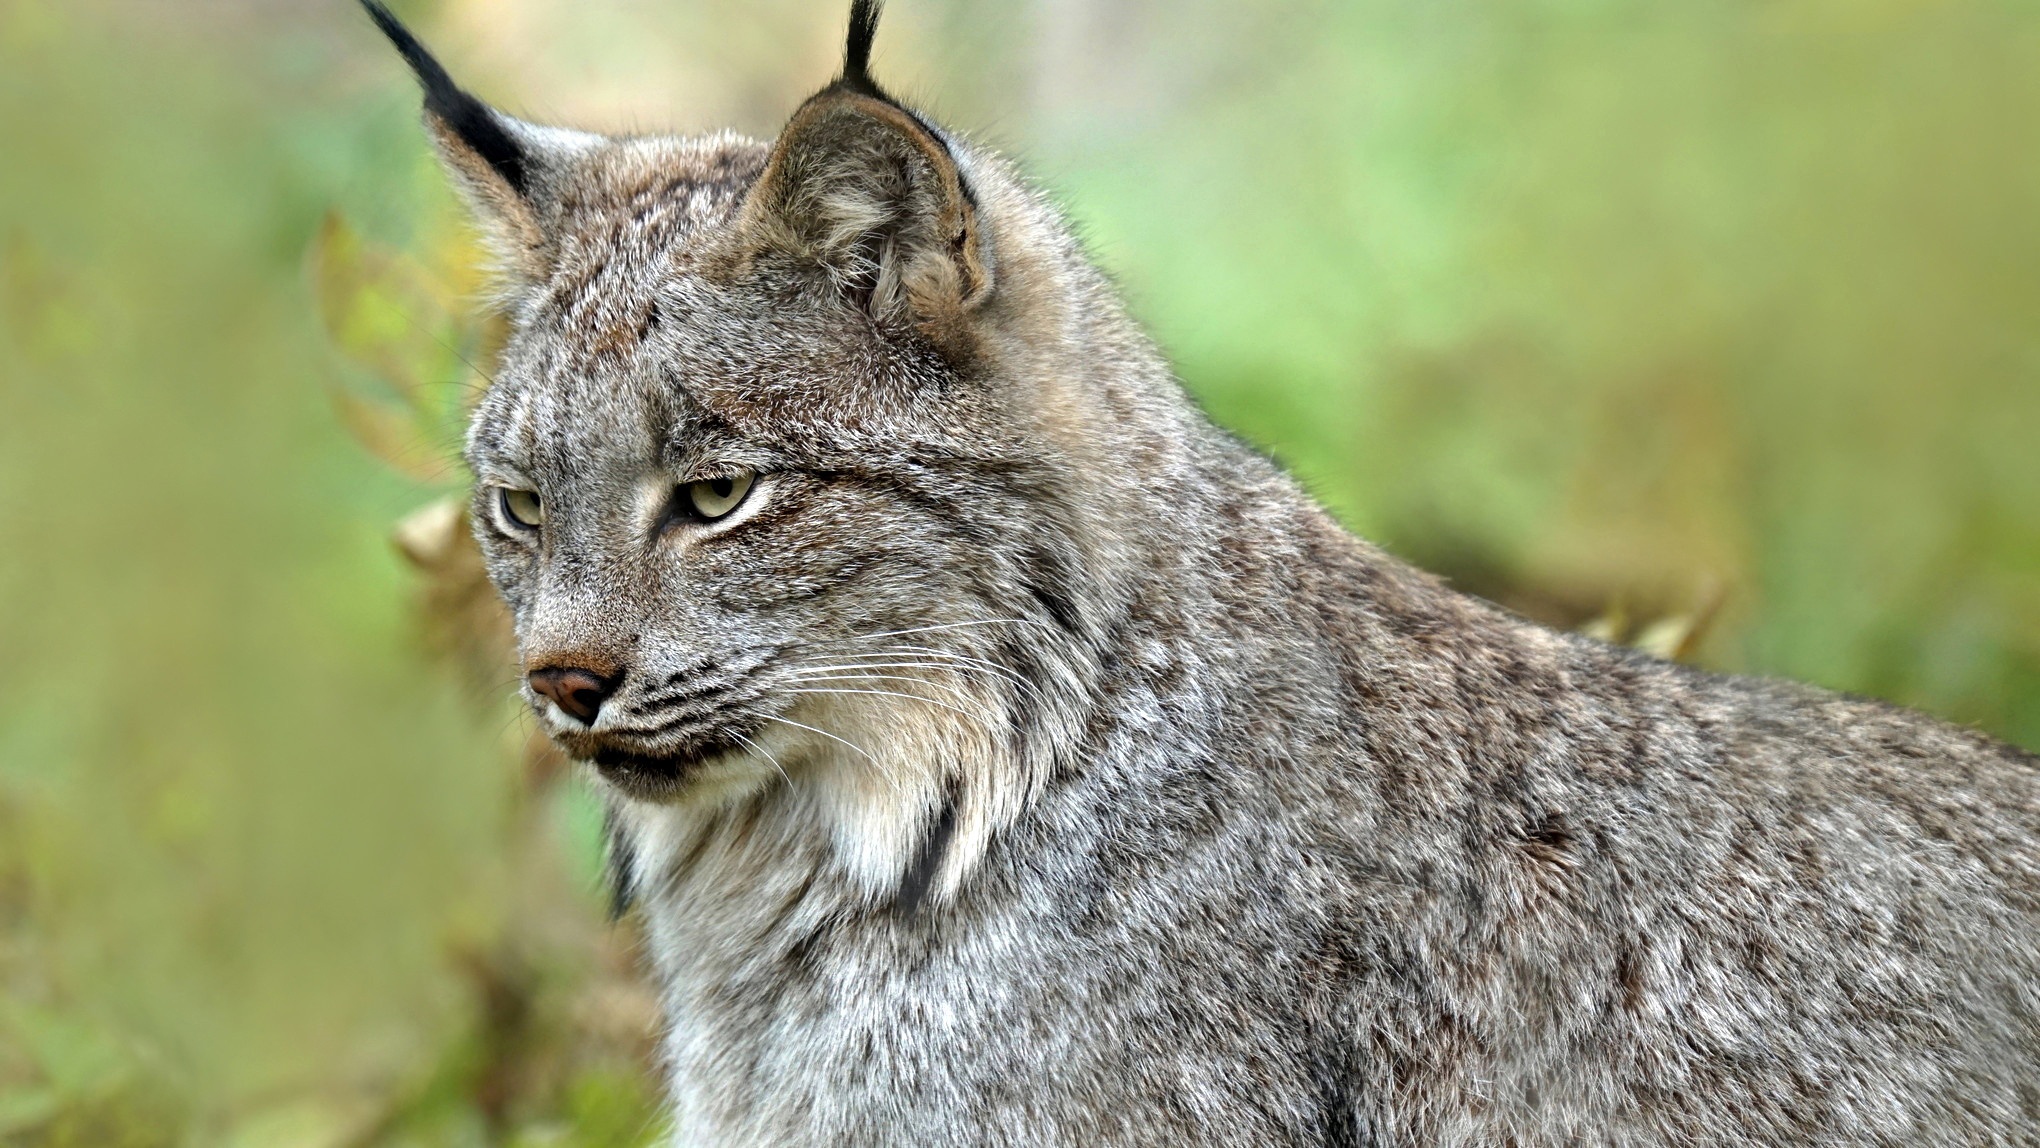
point(577, 691)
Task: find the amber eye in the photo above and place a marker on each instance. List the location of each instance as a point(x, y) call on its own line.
point(714, 498)
point(521, 508)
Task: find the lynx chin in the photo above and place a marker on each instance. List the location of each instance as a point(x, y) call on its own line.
point(1000, 754)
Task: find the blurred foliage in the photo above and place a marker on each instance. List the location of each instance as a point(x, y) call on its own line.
point(407, 329)
point(1706, 326)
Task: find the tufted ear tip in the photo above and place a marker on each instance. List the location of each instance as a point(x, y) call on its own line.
point(468, 122)
point(508, 169)
point(856, 76)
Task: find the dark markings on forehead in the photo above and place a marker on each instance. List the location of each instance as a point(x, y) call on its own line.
point(523, 422)
point(634, 220)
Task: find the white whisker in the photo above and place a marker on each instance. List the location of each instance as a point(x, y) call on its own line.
point(825, 733)
point(953, 691)
point(931, 629)
point(1007, 672)
point(953, 663)
point(887, 664)
point(896, 694)
point(759, 749)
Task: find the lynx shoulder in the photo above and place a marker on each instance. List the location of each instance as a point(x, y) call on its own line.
point(999, 753)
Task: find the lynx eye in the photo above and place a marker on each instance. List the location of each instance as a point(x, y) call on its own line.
point(714, 498)
point(521, 508)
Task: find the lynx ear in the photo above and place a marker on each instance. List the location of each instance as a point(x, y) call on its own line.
point(500, 163)
point(871, 193)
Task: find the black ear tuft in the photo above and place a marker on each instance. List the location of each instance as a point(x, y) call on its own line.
point(857, 51)
point(467, 117)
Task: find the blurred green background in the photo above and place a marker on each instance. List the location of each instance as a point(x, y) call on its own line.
point(1614, 311)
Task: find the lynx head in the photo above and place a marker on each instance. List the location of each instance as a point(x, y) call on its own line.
point(805, 470)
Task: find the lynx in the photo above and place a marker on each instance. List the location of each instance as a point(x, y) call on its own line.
point(999, 753)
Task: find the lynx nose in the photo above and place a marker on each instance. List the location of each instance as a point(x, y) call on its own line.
point(577, 691)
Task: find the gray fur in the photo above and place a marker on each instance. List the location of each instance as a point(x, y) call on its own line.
point(1151, 807)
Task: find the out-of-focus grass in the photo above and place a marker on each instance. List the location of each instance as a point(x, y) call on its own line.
point(1603, 308)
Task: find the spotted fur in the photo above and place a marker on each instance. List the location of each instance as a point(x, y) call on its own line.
point(1027, 762)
